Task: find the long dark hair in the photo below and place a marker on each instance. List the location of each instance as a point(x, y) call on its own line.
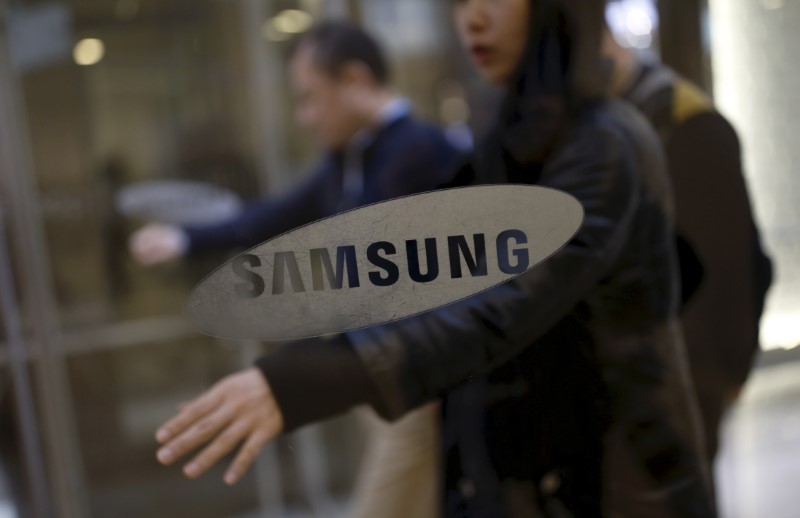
point(561, 71)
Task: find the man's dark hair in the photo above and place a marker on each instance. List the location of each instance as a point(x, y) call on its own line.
point(336, 43)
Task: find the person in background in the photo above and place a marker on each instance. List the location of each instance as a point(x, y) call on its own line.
point(341, 80)
point(564, 390)
point(375, 150)
point(725, 273)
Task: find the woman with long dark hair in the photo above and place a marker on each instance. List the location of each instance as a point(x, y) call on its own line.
point(564, 390)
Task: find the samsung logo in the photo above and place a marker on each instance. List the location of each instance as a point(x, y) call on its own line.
point(463, 256)
point(384, 262)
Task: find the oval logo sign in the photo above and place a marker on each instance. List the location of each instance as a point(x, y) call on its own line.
point(384, 262)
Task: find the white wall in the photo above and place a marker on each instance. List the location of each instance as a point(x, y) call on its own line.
point(756, 65)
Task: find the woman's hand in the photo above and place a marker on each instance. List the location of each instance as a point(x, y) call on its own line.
point(238, 408)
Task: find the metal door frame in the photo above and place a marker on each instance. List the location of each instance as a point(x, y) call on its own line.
point(43, 349)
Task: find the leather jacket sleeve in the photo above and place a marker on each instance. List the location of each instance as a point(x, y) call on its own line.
point(418, 359)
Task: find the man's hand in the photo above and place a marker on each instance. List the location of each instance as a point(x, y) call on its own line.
point(157, 243)
point(237, 408)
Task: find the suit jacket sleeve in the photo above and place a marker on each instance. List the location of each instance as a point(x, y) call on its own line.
point(265, 219)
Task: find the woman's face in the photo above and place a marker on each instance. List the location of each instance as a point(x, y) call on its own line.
point(494, 32)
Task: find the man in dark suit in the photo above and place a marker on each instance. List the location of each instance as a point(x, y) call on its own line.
point(375, 148)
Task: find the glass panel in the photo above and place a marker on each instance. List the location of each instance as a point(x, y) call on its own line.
point(125, 92)
point(121, 396)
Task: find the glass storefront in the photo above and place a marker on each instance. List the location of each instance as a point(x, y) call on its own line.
point(99, 96)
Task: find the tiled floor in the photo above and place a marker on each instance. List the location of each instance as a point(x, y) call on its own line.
point(7, 509)
point(758, 472)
